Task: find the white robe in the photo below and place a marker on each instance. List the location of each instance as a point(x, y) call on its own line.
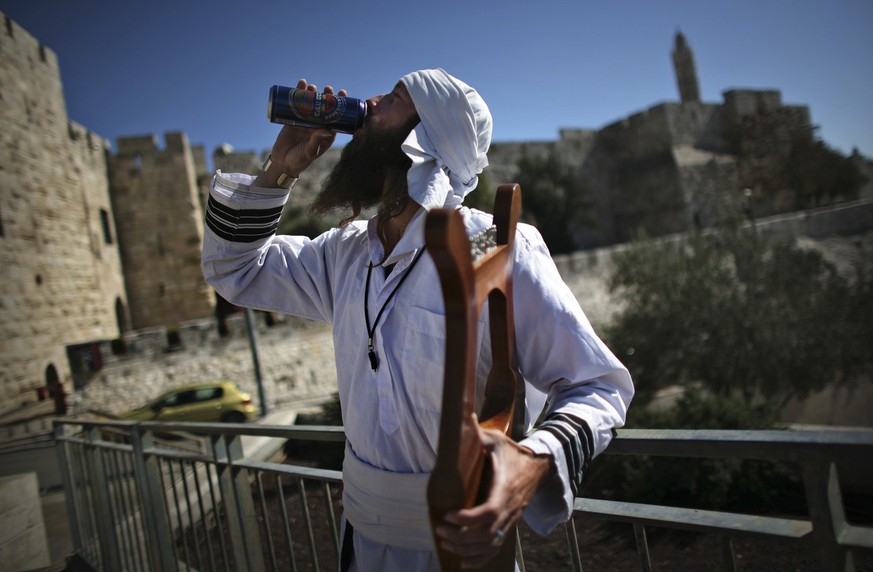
point(391, 415)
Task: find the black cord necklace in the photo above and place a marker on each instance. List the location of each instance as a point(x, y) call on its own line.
point(371, 351)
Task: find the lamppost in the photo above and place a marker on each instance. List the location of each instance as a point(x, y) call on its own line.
point(250, 326)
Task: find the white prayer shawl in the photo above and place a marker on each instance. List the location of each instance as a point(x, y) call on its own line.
point(448, 148)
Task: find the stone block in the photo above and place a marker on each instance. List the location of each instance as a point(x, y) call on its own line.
point(23, 542)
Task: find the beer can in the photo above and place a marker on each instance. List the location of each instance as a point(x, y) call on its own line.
point(291, 106)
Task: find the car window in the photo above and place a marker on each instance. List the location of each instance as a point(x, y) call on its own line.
point(208, 393)
point(182, 398)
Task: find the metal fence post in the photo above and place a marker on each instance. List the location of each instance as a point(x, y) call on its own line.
point(100, 491)
point(239, 508)
point(256, 362)
point(147, 468)
point(727, 550)
point(643, 547)
point(69, 487)
point(827, 514)
point(573, 544)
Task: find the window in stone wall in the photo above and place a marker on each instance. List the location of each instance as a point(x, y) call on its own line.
point(107, 230)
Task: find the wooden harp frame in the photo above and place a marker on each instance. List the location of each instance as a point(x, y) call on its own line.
point(461, 475)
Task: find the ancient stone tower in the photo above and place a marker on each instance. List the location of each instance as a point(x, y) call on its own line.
point(673, 166)
point(91, 245)
point(686, 71)
point(62, 285)
point(160, 230)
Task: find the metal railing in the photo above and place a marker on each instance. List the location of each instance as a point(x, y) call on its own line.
point(166, 497)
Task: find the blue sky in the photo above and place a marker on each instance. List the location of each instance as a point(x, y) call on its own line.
point(204, 67)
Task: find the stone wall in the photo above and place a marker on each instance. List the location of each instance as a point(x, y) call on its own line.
point(62, 277)
point(296, 360)
point(23, 541)
point(664, 169)
point(155, 198)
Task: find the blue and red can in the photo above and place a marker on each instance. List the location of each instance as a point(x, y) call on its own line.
point(291, 106)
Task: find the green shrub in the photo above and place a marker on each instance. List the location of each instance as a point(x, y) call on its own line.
point(736, 485)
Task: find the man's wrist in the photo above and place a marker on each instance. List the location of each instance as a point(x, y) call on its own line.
point(542, 463)
point(273, 175)
point(285, 181)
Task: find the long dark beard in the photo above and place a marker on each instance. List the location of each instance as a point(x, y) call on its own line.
point(371, 170)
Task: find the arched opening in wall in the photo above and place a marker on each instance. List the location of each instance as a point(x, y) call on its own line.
point(51, 375)
point(55, 389)
point(174, 340)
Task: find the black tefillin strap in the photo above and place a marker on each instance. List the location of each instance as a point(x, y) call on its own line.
point(371, 350)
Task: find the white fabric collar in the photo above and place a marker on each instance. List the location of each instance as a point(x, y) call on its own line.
point(411, 241)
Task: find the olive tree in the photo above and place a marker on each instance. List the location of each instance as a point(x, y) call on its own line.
point(739, 314)
point(555, 199)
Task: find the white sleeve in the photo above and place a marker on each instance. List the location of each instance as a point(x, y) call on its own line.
point(249, 265)
point(588, 389)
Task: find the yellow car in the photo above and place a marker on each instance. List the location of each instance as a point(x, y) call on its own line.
point(200, 402)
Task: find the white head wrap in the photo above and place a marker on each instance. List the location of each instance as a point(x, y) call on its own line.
point(448, 148)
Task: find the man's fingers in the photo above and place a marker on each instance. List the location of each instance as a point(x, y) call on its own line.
point(320, 142)
point(475, 547)
point(466, 543)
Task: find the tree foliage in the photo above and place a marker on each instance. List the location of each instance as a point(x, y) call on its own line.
point(818, 175)
point(555, 199)
point(789, 167)
point(482, 197)
point(297, 221)
point(738, 313)
point(714, 484)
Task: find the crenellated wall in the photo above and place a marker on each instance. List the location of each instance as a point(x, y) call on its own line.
point(93, 244)
point(62, 279)
point(155, 198)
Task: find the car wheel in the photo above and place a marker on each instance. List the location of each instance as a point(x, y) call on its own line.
point(233, 417)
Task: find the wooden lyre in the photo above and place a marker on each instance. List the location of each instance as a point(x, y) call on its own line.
point(461, 475)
